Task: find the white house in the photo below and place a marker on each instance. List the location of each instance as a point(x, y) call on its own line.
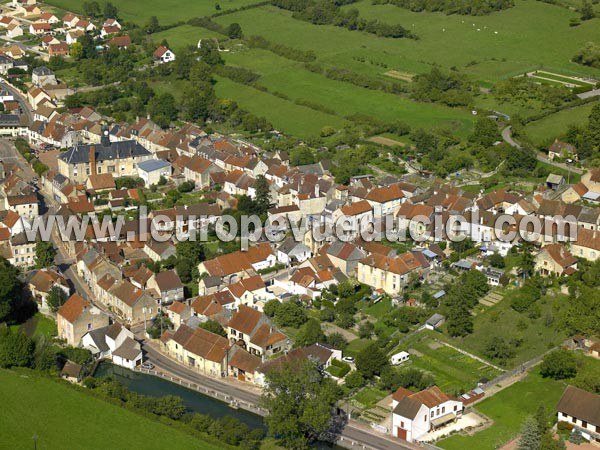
point(416, 414)
point(115, 342)
point(582, 410)
point(163, 55)
point(291, 251)
point(152, 170)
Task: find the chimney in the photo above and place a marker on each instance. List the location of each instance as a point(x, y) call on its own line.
point(92, 160)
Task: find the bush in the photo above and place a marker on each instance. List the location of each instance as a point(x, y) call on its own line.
point(354, 380)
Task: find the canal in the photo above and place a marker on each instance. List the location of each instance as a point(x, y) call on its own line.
point(157, 387)
point(195, 401)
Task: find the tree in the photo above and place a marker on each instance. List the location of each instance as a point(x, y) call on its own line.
point(530, 435)
point(91, 9)
point(299, 400)
point(263, 194)
point(559, 364)
point(499, 349)
point(44, 254)
point(76, 51)
point(587, 11)
point(163, 109)
point(485, 132)
point(56, 298)
point(271, 307)
point(13, 304)
point(310, 333)
point(459, 321)
point(290, 314)
point(527, 264)
point(337, 341)
point(16, 349)
point(110, 11)
point(366, 330)
point(496, 260)
point(189, 250)
point(354, 380)
point(371, 360)
point(214, 327)
point(153, 26)
point(234, 31)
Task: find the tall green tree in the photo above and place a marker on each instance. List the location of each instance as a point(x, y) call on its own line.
point(11, 292)
point(263, 194)
point(300, 401)
point(559, 365)
point(371, 360)
point(310, 333)
point(44, 254)
point(234, 31)
point(16, 349)
point(56, 298)
point(530, 435)
point(110, 11)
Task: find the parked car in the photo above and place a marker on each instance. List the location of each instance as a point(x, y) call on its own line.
point(348, 359)
point(147, 365)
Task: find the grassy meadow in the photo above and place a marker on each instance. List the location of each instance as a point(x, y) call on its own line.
point(508, 409)
point(167, 11)
point(62, 417)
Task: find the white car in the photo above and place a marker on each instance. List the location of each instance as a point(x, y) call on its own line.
point(348, 359)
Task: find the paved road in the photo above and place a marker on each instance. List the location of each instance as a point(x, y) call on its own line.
point(507, 136)
point(22, 99)
point(367, 438)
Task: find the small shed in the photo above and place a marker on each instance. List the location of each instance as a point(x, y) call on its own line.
point(72, 372)
point(435, 321)
point(555, 181)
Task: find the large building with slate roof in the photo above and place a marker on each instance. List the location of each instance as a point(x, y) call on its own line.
point(118, 158)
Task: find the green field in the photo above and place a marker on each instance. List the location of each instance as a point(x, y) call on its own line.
point(64, 418)
point(542, 131)
point(184, 35)
point(508, 409)
point(167, 11)
point(521, 44)
point(453, 371)
point(283, 114)
point(502, 320)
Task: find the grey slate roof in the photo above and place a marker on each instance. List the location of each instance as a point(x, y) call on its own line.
point(153, 164)
point(99, 337)
point(42, 70)
point(116, 150)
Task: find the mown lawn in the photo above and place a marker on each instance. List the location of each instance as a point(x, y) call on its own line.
point(184, 35)
point(63, 417)
point(355, 346)
point(508, 409)
point(543, 131)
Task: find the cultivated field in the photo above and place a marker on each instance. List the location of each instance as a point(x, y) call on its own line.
point(62, 417)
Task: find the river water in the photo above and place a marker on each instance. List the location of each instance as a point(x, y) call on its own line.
point(194, 401)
